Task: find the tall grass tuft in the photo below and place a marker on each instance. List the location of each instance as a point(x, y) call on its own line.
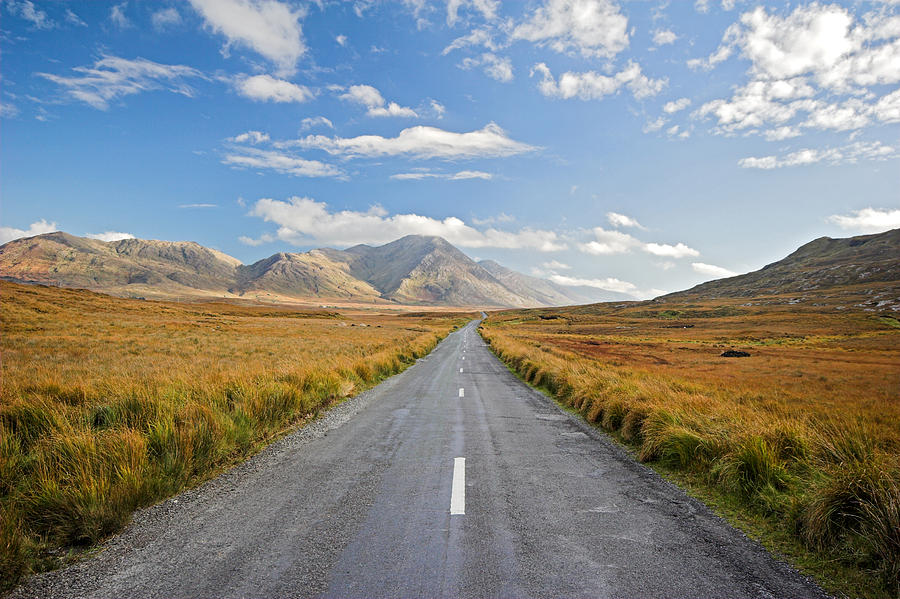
point(160, 396)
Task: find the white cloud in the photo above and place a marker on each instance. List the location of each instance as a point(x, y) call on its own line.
point(279, 162)
point(166, 17)
point(591, 85)
point(438, 109)
point(495, 67)
point(661, 37)
point(556, 265)
point(801, 64)
point(252, 137)
point(487, 8)
point(341, 40)
point(499, 218)
point(676, 105)
point(315, 121)
point(303, 220)
point(422, 142)
point(26, 10)
point(621, 220)
point(36, 228)
point(458, 176)
point(8, 110)
point(112, 78)
point(595, 28)
point(608, 243)
point(678, 250)
point(268, 27)
point(110, 236)
point(478, 37)
point(117, 16)
point(712, 270)
point(851, 154)
point(868, 220)
point(265, 88)
point(607, 284)
point(655, 125)
point(375, 104)
point(74, 19)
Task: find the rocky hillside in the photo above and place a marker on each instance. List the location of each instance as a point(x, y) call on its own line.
point(819, 265)
point(412, 270)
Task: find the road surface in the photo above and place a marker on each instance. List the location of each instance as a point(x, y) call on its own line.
point(452, 479)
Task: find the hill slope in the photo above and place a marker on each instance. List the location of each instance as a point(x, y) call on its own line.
point(819, 265)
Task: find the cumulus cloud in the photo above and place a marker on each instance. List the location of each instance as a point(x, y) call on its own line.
point(607, 243)
point(817, 67)
point(251, 137)
point(110, 236)
point(375, 104)
point(621, 220)
point(164, 18)
point(607, 284)
point(421, 142)
point(712, 270)
point(851, 154)
point(868, 220)
point(556, 265)
point(279, 162)
point(112, 78)
point(495, 67)
point(594, 28)
point(679, 250)
point(661, 37)
point(265, 88)
point(268, 27)
point(593, 86)
point(676, 105)
point(302, 221)
point(36, 228)
point(458, 176)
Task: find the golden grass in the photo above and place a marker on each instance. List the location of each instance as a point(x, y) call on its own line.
point(108, 405)
point(804, 432)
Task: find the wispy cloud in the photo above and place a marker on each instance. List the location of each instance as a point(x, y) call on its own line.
point(110, 236)
point(457, 176)
point(712, 270)
point(591, 85)
point(280, 162)
point(851, 154)
point(112, 78)
point(198, 205)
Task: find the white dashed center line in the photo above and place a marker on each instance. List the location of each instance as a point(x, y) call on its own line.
point(458, 490)
point(460, 369)
point(462, 392)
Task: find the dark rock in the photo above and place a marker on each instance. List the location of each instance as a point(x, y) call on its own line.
point(734, 353)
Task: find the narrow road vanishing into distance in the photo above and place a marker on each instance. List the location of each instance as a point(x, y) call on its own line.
point(452, 479)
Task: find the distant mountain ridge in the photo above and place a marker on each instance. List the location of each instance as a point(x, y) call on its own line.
point(818, 265)
point(415, 269)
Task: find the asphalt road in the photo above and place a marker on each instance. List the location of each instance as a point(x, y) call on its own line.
point(451, 479)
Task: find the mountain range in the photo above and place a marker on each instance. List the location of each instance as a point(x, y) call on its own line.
point(413, 270)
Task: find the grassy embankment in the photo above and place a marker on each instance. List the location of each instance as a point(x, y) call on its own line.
point(108, 405)
point(799, 443)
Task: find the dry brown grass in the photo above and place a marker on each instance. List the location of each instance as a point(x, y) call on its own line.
point(109, 404)
point(806, 430)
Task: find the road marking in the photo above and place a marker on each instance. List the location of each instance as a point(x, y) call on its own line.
point(464, 357)
point(460, 369)
point(462, 392)
point(458, 491)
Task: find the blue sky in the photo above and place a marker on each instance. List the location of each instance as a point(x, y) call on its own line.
point(637, 147)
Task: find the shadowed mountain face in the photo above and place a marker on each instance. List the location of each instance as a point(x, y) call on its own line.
point(820, 264)
point(412, 270)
